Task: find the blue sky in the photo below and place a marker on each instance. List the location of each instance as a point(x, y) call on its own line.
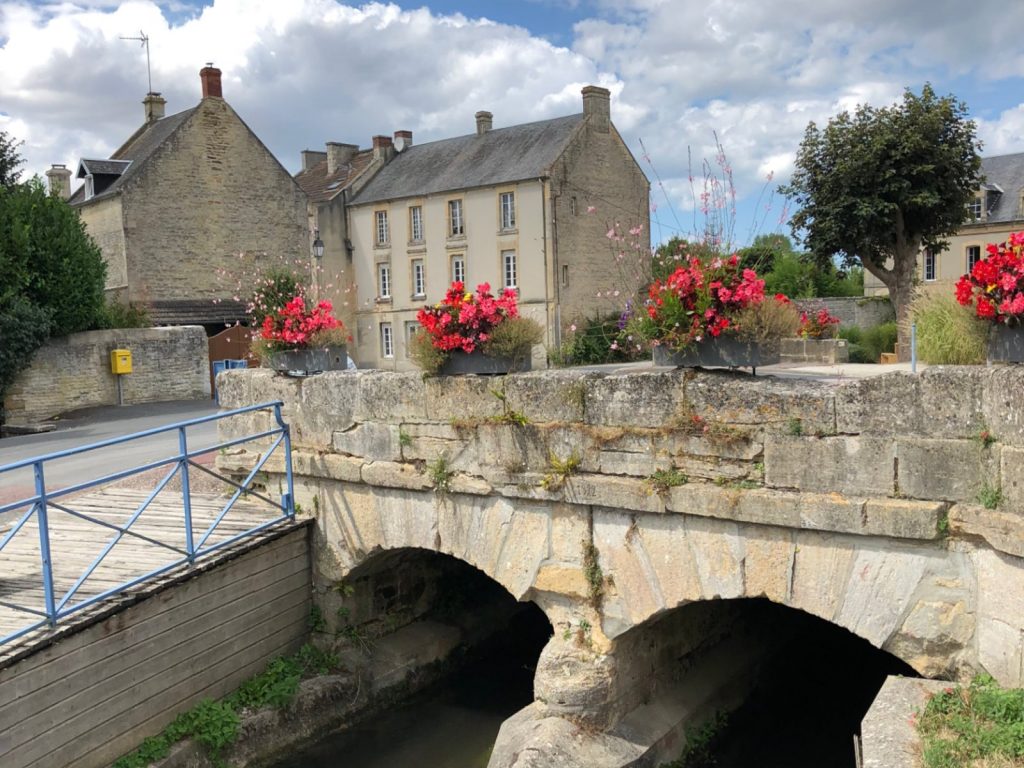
point(302, 72)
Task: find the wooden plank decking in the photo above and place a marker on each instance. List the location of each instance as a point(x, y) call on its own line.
point(75, 544)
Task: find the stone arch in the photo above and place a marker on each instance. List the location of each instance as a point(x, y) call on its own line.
point(911, 599)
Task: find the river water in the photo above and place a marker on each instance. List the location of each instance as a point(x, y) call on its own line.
point(452, 724)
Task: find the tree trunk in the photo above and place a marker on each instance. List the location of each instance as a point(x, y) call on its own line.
point(900, 282)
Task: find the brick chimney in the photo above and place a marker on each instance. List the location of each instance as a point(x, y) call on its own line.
point(155, 106)
point(597, 107)
point(484, 120)
point(311, 157)
point(338, 154)
point(210, 78)
point(405, 136)
point(383, 149)
point(59, 180)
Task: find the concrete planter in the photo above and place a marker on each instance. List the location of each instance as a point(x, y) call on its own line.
point(1006, 344)
point(306, 362)
point(725, 351)
point(460, 363)
point(824, 351)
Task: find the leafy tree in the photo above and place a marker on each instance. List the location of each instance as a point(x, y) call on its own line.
point(877, 186)
point(10, 161)
point(51, 274)
point(760, 255)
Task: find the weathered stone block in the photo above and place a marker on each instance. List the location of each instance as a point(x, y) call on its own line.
point(394, 397)
point(881, 405)
point(633, 593)
point(1011, 478)
point(613, 492)
point(739, 399)
point(649, 399)
point(951, 400)
point(550, 396)
point(821, 571)
point(722, 442)
point(466, 399)
point(952, 470)
point(327, 465)
point(902, 518)
point(394, 475)
point(372, 441)
point(1002, 408)
point(327, 404)
point(1002, 529)
point(850, 465)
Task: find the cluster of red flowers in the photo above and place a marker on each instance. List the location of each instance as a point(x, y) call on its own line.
point(996, 284)
point(699, 300)
point(818, 325)
point(464, 320)
point(293, 325)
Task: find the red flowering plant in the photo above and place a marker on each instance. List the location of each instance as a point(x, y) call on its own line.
point(700, 300)
point(995, 286)
point(818, 325)
point(467, 321)
point(293, 326)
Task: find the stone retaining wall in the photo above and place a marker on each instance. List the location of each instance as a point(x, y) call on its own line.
point(73, 372)
point(824, 351)
point(861, 311)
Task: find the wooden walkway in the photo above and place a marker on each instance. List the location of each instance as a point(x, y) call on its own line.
point(75, 543)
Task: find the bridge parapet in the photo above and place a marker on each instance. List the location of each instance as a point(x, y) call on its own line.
point(857, 502)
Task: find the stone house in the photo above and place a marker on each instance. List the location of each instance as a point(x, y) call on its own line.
point(524, 207)
point(330, 179)
point(996, 211)
point(188, 195)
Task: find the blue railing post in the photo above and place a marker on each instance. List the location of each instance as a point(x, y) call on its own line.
point(289, 503)
point(44, 543)
point(186, 495)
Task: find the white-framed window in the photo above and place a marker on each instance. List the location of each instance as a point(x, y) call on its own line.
point(384, 280)
point(383, 236)
point(508, 268)
point(974, 209)
point(973, 256)
point(411, 327)
point(387, 341)
point(459, 269)
point(456, 223)
point(929, 266)
point(508, 210)
point(416, 224)
point(419, 278)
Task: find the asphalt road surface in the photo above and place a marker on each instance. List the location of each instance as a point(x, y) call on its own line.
point(94, 425)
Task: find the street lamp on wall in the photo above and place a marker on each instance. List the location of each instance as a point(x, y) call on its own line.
point(318, 245)
point(315, 267)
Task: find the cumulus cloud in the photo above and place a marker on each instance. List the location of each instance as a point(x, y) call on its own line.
point(307, 71)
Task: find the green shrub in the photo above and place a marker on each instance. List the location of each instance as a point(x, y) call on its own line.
point(114, 314)
point(24, 327)
point(947, 333)
point(514, 338)
point(596, 341)
point(423, 352)
point(275, 287)
point(867, 346)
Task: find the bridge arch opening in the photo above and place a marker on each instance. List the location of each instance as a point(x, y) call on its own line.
point(451, 650)
point(764, 684)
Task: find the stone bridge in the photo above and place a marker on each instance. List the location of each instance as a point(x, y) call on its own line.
point(613, 501)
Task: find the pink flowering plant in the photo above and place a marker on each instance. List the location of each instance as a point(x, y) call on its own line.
point(467, 321)
point(995, 286)
point(700, 300)
point(818, 325)
point(294, 326)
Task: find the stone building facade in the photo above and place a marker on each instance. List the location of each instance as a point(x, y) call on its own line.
point(525, 207)
point(181, 200)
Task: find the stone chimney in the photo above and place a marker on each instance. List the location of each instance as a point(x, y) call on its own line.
point(59, 180)
point(484, 121)
point(155, 106)
point(597, 107)
point(383, 149)
point(338, 154)
point(311, 157)
point(406, 139)
point(210, 78)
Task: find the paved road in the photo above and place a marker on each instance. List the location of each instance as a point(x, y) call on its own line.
point(94, 425)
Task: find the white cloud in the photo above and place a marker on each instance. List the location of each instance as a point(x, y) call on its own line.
point(307, 71)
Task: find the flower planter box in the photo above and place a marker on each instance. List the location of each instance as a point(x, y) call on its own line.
point(721, 352)
point(306, 362)
point(1006, 344)
point(459, 363)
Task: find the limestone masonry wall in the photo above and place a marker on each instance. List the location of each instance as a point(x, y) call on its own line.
point(74, 372)
point(99, 692)
point(861, 311)
point(857, 502)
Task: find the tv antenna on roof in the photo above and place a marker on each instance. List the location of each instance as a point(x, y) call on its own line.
point(144, 39)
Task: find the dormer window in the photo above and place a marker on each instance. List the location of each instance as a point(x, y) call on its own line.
point(974, 209)
point(90, 190)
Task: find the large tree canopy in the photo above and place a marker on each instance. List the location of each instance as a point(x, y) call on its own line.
point(10, 161)
point(878, 186)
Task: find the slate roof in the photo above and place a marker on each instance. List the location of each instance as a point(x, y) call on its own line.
point(1007, 171)
point(137, 150)
point(321, 186)
point(187, 311)
point(108, 167)
point(498, 156)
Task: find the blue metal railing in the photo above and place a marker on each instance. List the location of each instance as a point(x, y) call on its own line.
point(42, 501)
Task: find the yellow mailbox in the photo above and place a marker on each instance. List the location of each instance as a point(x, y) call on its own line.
point(120, 361)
